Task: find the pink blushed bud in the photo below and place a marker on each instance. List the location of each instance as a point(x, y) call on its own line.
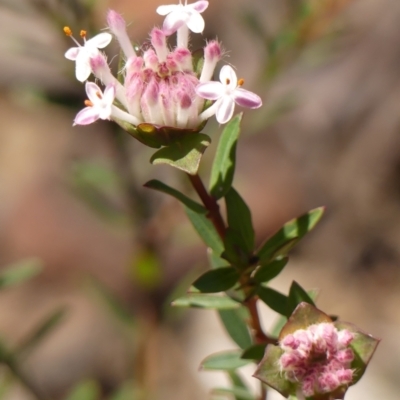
point(212, 54)
point(345, 356)
point(328, 382)
point(158, 40)
point(183, 59)
point(345, 376)
point(118, 27)
point(150, 59)
point(345, 337)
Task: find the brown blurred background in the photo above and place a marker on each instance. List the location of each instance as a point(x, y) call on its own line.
point(328, 134)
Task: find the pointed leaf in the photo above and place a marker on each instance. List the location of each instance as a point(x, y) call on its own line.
point(239, 219)
point(269, 371)
point(20, 272)
point(223, 167)
point(233, 249)
point(238, 392)
point(363, 346)
point(270, 270)
point(236, 327)
point(273, 299)
point(225, 360)
point(237, 382)
point(296, 296)
point(162, 187)
point(206, 301)
point(41, 332)
point(255, 352)
point(185, 154)
point(206, 231)
point(217, 280)
point(289, 234)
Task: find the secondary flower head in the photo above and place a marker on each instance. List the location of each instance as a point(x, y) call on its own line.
point(82, 54)
point(318, 358)
point(225, 94)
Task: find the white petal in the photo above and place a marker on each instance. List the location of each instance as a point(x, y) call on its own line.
point(82, 66)
point(196, 22)
point(105, 111)
point(228, 77)
point(210, 90)
point(86, 116)
point(109, 94)
point(164, 10)
point(174, 21)
point(72, 53)
point(245, 98)
point(100, 41)
point(225, 109)
point(199, 6)
point(92, 91)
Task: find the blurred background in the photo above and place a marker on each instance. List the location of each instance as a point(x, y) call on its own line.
point(105, 255)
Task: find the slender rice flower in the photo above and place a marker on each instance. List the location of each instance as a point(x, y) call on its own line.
point(318, 359)
point(181, 17)
point(82, 54)
point(158, 85)
point(99, 106)
point(225, 94)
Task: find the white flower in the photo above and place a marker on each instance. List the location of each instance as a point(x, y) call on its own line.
point(82, 54)
point(100, 105)
point(179, 15)
point(225, 94)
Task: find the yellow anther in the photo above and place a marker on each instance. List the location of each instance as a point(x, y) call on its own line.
point(88, 103)
point(99, 95)
point(82, 33)
point(228, 81)
point(241, 82)
point(67, 31)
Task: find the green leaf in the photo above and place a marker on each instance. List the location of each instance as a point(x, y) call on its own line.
point(225, 360)
point(255, 352)
point(236, 327)
point(206, 301)
point(20, 272)
point(296, 296)
point(88, 390)
point(216, 261)
point(269, 271)
point(238, 392)
point(185, 154)
point(273, 299)
point(223, 167)
point(289, 235)
point(239, 219)
point(41, 332)
point(303, 316)
point(217, 280)
point(233, 249)
point(269, 372)
point(363, 346)
point(206, 231)
point(162, 187)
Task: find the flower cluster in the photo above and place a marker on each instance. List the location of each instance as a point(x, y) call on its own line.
point(318, 358)
point(160, 85)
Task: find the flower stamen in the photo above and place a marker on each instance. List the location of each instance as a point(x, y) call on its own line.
point(241, 82)
point(88, 103)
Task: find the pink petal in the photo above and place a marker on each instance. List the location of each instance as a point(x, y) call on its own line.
point(210, 90)
point(199, 6)
point(92, 90)
point(225, 109)
point(164, 10)
point(245, 98)
point(174, 21)
point(228, 77)
point(196, 22)
point(100, 41)
point(72, 53)
point(86, 116)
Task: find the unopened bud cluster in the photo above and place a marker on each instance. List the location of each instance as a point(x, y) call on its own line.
point(318, 359)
